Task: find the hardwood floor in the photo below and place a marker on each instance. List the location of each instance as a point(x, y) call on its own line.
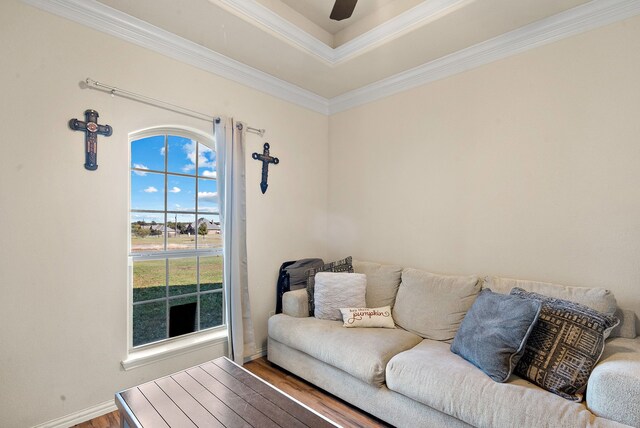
point(320, 401)
point(110, 420)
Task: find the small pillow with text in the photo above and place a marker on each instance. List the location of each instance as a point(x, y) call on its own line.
point(368, 317)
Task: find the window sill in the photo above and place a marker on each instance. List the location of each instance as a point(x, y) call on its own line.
point(173, 347)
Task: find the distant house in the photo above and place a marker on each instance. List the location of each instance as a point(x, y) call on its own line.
point(159, 229)
point(212, 226)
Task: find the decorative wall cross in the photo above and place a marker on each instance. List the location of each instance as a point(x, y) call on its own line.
point(91, 129)
point(266, 159)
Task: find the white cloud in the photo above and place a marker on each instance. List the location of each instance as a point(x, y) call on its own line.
point(208, 196)
point(162, 150)
point(207, 209)
point(140, 166)
point(211, 174)
point(150, 189)
point(206, 156)
point(175, 190)
point(147, 217)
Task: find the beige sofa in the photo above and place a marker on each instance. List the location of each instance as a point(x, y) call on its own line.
point(408, 381)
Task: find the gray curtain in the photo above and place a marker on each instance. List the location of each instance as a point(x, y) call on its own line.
point(229, 138)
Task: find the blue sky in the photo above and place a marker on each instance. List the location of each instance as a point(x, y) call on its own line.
point(148, 187)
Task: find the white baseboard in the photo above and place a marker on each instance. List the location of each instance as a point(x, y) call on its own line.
point(262, 352)
point(80, 416)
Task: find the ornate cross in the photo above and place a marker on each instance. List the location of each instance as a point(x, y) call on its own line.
point(266, 159)
point(91, 129)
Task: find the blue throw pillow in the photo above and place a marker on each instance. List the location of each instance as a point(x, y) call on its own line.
point(494, 332)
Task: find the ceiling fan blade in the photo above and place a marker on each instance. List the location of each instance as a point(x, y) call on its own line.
point(342, 9)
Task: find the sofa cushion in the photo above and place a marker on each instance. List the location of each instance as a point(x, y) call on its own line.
point(382, 282)
point(433, 306)
point(614, 385)
point(564, 346)
point(494, 332)
point(600, 299)
point(335, 290)
point(430, 374)
point(361, 352)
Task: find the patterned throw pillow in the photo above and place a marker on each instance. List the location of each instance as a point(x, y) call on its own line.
point(564, 346)
point(494, 332)
point(368, 317)
point(344, 265)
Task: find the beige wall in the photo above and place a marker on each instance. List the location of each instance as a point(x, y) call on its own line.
point(63, 258)
point(528, 167)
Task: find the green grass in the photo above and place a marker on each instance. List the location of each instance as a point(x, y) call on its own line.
point(149, 282)
point(150, 319)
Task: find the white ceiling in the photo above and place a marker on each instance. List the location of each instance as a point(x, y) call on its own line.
point(286, 48)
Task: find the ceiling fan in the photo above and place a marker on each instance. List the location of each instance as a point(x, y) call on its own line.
point(342, 9)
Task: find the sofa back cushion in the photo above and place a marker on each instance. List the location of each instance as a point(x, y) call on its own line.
point(382, 282)
point(596, 298)
point(433, 306)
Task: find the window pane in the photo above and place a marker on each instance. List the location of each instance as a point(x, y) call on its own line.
point(182, 193)
point(182, 155)
point(209, 232)
point(147, 191)
point(149, 279)
point(207, 196)
point(182, 276)
point(210, 310)
point(206, 161)
point(210, 273)
point(148, 153)
point(179, 233)
point(149, 322)
point(145, 235)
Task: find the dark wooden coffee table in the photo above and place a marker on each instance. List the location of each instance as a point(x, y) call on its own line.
point(219, 393)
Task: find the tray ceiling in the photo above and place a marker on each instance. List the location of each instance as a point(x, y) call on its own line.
point(250, 32)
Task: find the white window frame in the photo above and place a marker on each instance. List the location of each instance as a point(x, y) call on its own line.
point(215, 336)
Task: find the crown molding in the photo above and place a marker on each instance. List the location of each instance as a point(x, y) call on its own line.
point(418, 15)
point(254, 11)
point(393, 28)
point(574, 21)
point(566, 24)
point(113, 22)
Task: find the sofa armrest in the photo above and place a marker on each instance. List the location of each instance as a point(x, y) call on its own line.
point(614, 384)
point(296, 303)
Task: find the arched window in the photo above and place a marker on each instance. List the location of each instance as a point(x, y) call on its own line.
point(175, 237)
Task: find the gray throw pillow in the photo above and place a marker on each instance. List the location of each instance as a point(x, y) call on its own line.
point(343, 265)
point(494, 332)
point(564, 346)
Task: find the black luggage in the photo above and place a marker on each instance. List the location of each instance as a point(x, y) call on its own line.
point(293, 276)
